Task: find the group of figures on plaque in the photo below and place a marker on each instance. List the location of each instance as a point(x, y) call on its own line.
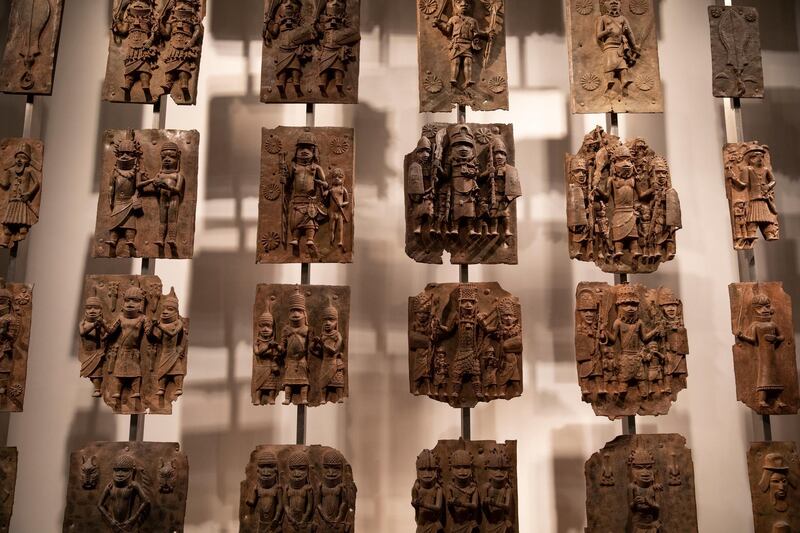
point(774, 471)
point(311, 51)
point(300, 346)
point(133, 343)
point(29, 59)
point(750, 187)
point(154, 50)
point(631, 347)
point(148, 194)
point(306, 202)
point(622, 212)
point(465, 343)
point(20, 188)
point(127, 487)
point(461, 189)
point(297, 489)
point(466, 487)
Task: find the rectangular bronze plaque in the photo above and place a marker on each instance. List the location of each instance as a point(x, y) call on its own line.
point(736, 52)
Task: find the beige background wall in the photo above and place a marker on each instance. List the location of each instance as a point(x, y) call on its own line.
point(382, 427)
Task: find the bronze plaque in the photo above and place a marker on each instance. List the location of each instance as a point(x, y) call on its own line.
point(306, 204)
point(29, 59)
point(300, 344)
point(774, 470)
point(750, 186)
point(462, 54)
point(622, 212)
point(461, 188)
point(20, 188)
point(641, 483)
point(127, 487)
point(466, 487)
point(15, 335)
point(764, 353)
point(133, 343)
point(631, 347)
point(154, 49)
point(613, 56)
point(297, 489)
point(736, 52)
point(148, 194)
point(8, 482)
point(465, 343)
point(311, 51)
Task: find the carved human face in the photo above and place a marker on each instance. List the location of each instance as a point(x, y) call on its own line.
point(333, 474)
point(305, 153)
point(338, 179)
point(778, 485)
point(423, 155)
point(141, 8)
point(464, 151)
point(629, 309)
point(508, 319)
point(92, 311)
point(267, 474)
point(265, 329)
point(297, 316)
point(462, 473)
point(763, 310)
point(500, 159)
point(426, 476)
point(441, 355)
point(122, 476)
point(132, 306)
point(335, 7)
point(670, 310)
point(290, 8)
point(170, 160)
point(466, 306)
point(662, 175)
point(613, 7)
point(126, 160)
point(462, 7)
point(498, 477)
point(169, 312)
point(623, 167)
point(298, 474)
point(757, 159)
point(21, 160)
point(589, 316)
point(580, 176)
point(329, 324)
point(642, 475)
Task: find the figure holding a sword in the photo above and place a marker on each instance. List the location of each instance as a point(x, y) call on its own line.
point(465, 39)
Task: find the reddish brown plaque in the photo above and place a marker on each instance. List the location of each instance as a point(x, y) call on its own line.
point(622, 212)
point(133, 343)
point(307, 202)
point(127, 486)
point(148, 194)
point(466, 486)
point(465, 343)
point(311, 51)
point(736, 52)
point(154, 49)
point(764, 353)
point(613, 56)
point(750, 186)
point(20, 188)
point(641, 483)
point(300, 344)
point(8, 482)
point(297, 489)
point(462, 54)
point(774, 470)
point(461, 189)
point(631, 347)
point(29, 59)
point(15, 334)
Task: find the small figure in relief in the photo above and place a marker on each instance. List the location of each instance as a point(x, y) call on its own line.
point(422, 188)
point(504, 187)
point(654, 361)
point(776, 480)
point(335, 50)
point(589, 338)
point(462, 494)
point(739, 197)
point(22, 181)
point(441, 372)
point(169, 185)
point(152, 296)
point(166, 476)
point(674, 471)
point(643, 493)
point(180, 26)
point(762, 211)
point(497, 495)
point(90, 473)
point(615, 37)
point(330, 346)
point(427, 497)
point(299, 496)
point(676, 341)
point(665, 212)
point(266, 498)
point(508, 333)
point(578, 205)
point(623, 189)
point(295, 346)
point(92, 330)
point(283, 25)
point(420, 338)
point(465, 40)
point(9, 329)
point(168, 334)
point(135, 25)
point(490, 364)
point(124, 503)
point(267, 368)
point(340, 199)
point(333, 503)
point(764, 334)
point(125, 206)
point(125, 338)
point(461, 173)
point(607, 473)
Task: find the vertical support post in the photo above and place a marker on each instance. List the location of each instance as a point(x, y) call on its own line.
point(612, 123)
point(466, 418)
point(461, 114)
point(27, 125)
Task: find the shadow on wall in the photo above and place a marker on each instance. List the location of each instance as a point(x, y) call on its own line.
point(372, 139)
point(775, 121)
point(776, 14)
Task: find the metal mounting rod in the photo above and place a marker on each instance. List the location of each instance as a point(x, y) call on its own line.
point(461, 114)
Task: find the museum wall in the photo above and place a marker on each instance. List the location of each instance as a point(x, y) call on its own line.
point(381, 428)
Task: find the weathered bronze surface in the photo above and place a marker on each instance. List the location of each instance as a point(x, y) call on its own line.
point(622, 212)
point(641, 483)
point(307, 203)
point(750, 186)
point(613, 56)
point(311, 51)
point(461, 188)
point(462, 54)
point(133, 343)
point(465, 343)
point(300, 344)
point(148, 194)
point(764, 353)
point(631, 347)
point(127, 487)
point(466, 486)
point(15, 334)
point(20, 188)
point(29, 59)
point(154, 49)
point(297, 489)
point(736, 52)
point(774, 470)
point(8, 482)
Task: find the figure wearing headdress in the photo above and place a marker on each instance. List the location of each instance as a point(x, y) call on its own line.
point(266, 497)
point(420, 342)
point(92, 330)
point(330, 347)
point(504, 187)
point(777, 480)
point(169, 185)
point(334, 499)
point(22, 180)
point(9, 331)
point(422, 188)
point(765, 335)
point(460, 173)
point(463, 508)
point(465, 40)
point(180, 26)
point(284, 26)
point(508, 333)
point(615, 37)
point(665, 211)
point(135, 25)
point(427, 496)
point(299, 496)
point(762, 212)
point(295, 343)
point(336, 41)
point(676, 341)
point(497, 494)
point(168, 331)
point(124, 203)
point(589, 337)
point(579, 210)
point(125, 338)
point(124, 503)
point(643, 493)
point(267, 361)
point(338, 201)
